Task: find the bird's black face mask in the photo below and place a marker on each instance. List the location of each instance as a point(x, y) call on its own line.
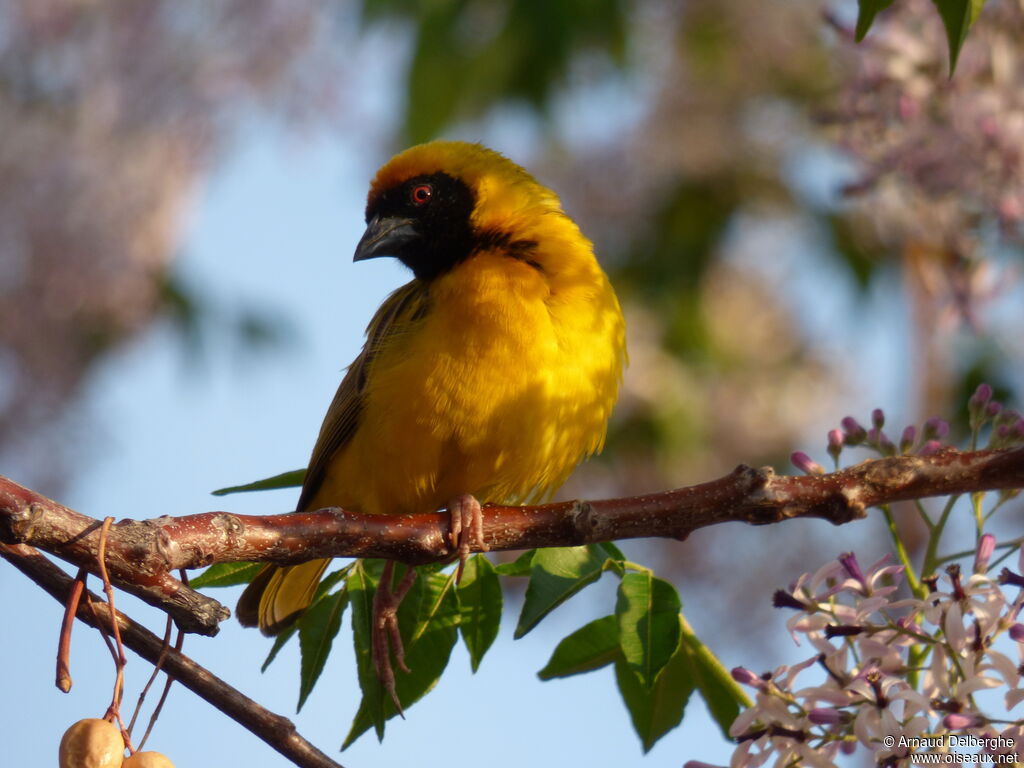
point(424, 222)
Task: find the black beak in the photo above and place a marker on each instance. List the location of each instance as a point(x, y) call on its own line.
point(387, 236)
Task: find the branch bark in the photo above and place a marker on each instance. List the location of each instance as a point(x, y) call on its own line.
point(277, 731)
point(142, 555)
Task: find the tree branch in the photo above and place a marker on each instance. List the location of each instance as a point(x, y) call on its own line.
point(143, 554)
point(277, 731)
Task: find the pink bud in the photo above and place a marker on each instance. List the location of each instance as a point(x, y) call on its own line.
point(824, 716)
point(908, 439)
point(936, 428)
point(746, 677)
point(878, 418)
point(1017, 633)
point(806, 464)
point(986, 546)
point(957, 721)
point(855, 433)
point(982, 394)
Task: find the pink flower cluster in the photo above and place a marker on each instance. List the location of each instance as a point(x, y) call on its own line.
point(890, 668)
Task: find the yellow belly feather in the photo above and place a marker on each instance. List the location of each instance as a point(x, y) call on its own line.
point(509, 396)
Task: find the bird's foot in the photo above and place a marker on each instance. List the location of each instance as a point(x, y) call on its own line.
point(467, 528)
point(385, 638)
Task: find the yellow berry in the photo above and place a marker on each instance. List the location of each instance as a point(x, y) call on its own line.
point(91, 743)
point(147, 760)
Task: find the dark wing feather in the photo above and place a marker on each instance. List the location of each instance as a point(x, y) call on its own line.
point(403, 307)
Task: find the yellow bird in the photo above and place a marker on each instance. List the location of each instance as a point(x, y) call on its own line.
point(488, 377)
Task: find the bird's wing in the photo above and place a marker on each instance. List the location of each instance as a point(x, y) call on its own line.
point(401, 309)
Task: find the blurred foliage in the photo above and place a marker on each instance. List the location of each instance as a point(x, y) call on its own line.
point(469, 55)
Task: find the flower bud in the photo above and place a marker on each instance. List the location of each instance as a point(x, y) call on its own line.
point(806, 464)
point(855, 433)
point(908, 439)
point(986, 546)
point(981, 395)
point(935, 428)
point(746, 677)
point(957, 721)
point(878, 418)
point(824, 716)
point(835, 443)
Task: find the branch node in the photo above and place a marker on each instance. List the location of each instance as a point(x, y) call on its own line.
point(582, 518)
point(23, 521)
point(851, 505)
point(753, 478)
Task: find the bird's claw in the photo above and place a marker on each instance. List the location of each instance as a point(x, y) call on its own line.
point(385, 638)
point(467, 529)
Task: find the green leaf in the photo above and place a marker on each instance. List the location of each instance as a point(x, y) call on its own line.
point(428, 619)
point(556, 574)
point(722, 695)
point(361, 583)
point(291, 479)
point(590, 647)
point(657, 709)
point(868, 9)
point(279, 642)
point(317, 628)
point(520, 566)
point(612, 551)
point(647, 611)
point(326, 584)
point(957, 17)
point(226, 575)
point(480, 606)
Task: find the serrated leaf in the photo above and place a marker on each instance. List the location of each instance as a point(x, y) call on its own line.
point(518, 567)
point(722, 695)
point(590, 647)
point(279, 642)
point(226, 575)
point(428, 618)
point(480, 605)
point(556, 574)
point(866, 12)
point(957, 18)
point(658, 709)
point(361, 583)
point(317, 629)
point(647, 610)
point(292, 479)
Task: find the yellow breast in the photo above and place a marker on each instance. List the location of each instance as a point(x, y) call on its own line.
point(499, 390)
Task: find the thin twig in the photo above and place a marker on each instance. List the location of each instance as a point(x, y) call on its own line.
point(178, 644)
point(277, 731)
point(66, 625)
point(120, 660)
point(152, 678)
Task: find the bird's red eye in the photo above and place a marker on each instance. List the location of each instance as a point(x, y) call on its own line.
point(421, 194)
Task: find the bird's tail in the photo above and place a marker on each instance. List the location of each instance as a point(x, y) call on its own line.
point(278, 595)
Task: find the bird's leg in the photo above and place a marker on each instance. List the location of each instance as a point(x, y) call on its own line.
point(467, 528)
point(385, 638)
